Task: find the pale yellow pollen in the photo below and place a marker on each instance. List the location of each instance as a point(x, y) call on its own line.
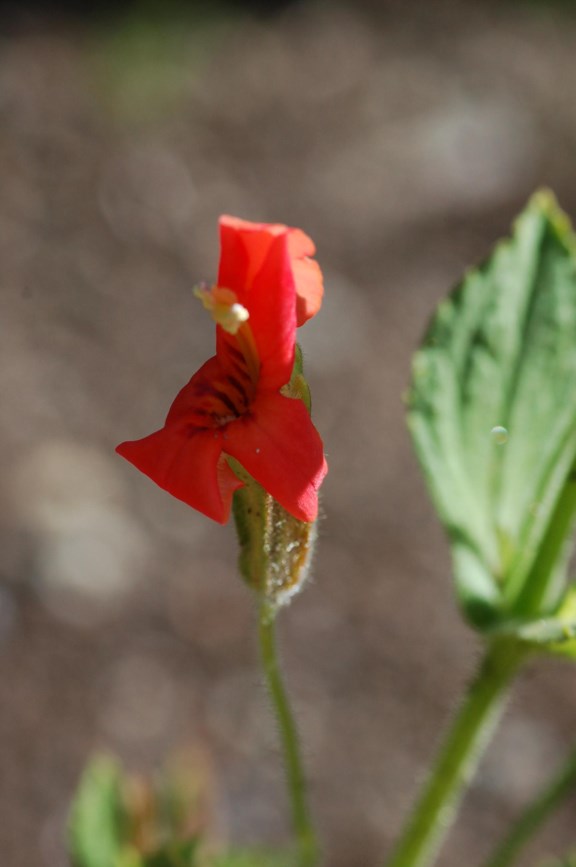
point(224, 307)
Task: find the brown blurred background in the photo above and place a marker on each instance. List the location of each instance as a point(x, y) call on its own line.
point(402, 137)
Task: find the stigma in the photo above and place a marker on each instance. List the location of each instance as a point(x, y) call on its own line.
point(224, 307)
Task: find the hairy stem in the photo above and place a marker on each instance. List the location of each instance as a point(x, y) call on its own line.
point(305, 837)
point(458, 758)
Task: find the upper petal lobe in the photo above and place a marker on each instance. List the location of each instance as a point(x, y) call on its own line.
point(307, 275)
point(256, 265)
point(244, 247)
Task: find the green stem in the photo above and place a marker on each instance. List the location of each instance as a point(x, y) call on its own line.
point(458, 757)
point(303, 831)
point(562, 783)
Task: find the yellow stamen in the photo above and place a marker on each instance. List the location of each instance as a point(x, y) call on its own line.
point(229, 314)
point(223, 305)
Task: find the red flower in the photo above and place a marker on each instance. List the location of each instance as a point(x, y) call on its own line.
point(233, 405)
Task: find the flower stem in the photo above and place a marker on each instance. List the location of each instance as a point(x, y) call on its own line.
point(458, 757)
point(536, 813)
point(307, 851)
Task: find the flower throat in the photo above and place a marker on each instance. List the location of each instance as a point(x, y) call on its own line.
point(229, 396)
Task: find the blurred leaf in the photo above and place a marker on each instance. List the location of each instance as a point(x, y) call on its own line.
point(128, 821)
point(492, 410)
point(148, 60)
point(98, 819)
point(182, 854)
point(254, 858)
point(129, 857)
point(567, 861)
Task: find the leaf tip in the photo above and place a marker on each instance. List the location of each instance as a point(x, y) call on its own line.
point(544, 200)
point(545, 203)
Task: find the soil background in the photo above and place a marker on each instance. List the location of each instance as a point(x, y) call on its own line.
point(403, 137)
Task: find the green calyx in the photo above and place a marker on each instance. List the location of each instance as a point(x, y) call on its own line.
point(275, 547)
point(492, 411)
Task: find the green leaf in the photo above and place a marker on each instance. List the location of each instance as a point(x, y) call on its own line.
point(98, 820)
point(492, 410)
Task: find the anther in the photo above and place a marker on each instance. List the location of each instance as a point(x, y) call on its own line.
point(224, 307)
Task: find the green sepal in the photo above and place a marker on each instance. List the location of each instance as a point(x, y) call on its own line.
point(298, 368)
point(298, 387)
point(492, 411)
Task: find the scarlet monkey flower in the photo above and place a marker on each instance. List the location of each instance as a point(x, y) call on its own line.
point(234, 405)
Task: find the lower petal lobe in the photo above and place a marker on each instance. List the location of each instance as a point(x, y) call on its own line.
point(189, 465)
point(280, 447)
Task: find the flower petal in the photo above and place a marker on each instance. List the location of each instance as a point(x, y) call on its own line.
point(186, 401)
point(307, 275)
point(190, 466)
point(256, 265)
point(244, 248)
point(280, 447)
point(213, 397)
